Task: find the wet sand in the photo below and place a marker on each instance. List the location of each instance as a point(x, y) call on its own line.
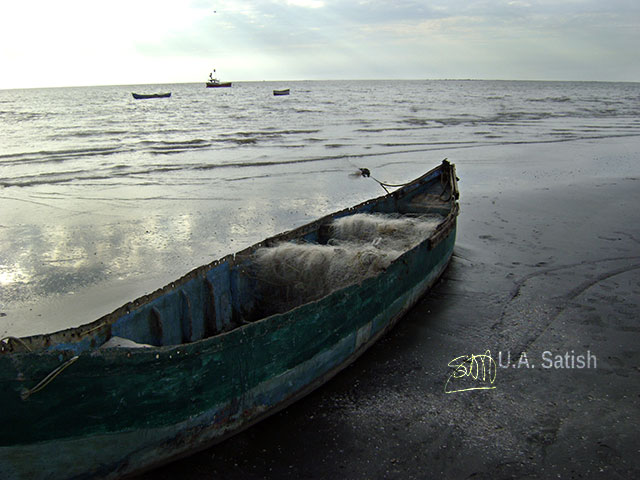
point(547, 262)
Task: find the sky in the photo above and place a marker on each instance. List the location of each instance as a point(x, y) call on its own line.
point(47, 43)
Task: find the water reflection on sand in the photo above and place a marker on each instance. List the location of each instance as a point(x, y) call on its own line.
point(67, 260)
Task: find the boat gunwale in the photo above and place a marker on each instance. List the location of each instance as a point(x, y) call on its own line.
point(43, 341)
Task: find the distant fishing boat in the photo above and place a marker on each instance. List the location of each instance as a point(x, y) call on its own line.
point(281, 92)
point(214, 82)
point(225, 346)
point(140, 96)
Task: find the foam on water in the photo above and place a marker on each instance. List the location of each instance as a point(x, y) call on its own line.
point(319, 121)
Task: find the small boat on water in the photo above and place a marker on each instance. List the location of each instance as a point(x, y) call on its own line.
point(214, 82)
point(140, 96)
point(281, 92)
point(225, 346)
point(217, 83)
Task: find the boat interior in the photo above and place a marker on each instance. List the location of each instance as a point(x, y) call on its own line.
point(228, 293)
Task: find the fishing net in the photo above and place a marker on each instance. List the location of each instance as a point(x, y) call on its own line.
point(359, 246)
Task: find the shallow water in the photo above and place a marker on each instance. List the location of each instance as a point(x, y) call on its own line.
point(104, 198)
point(102, 136)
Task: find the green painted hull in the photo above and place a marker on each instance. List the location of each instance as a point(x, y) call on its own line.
point(215, 370)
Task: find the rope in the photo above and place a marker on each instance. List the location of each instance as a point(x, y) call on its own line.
point(384, 185)
point(365, 172)
point(381, 184)
point(48, 379)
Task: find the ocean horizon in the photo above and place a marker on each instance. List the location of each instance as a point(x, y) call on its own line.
point(336, 79)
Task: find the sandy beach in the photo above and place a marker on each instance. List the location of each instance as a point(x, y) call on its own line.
point(546, 272)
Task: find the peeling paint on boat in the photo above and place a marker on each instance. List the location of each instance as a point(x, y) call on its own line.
point(212, 370)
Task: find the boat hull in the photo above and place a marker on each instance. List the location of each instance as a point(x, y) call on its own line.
point(115, 412)
point(143, 96)
point(281, 92)
point(111, 455)
point(218, 84)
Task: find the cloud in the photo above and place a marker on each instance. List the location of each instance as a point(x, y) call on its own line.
point(258, 39)
point(405, 38)
point(306, 3)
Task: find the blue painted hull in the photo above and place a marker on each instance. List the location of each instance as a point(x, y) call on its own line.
point(211, 372)
point(142, 96)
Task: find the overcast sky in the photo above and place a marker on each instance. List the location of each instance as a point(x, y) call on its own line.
point(81, 42)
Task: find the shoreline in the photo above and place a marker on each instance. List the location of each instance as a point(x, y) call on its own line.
point(84, 256)
point(547, 266)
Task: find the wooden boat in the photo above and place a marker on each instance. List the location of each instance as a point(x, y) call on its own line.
point(140, 96)
point(281, 92)
point(204, 357)
point(215, 82)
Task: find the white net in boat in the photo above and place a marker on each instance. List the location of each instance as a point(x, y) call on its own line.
point(360, 246)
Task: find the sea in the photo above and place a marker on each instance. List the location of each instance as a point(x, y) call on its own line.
point(104, 198)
